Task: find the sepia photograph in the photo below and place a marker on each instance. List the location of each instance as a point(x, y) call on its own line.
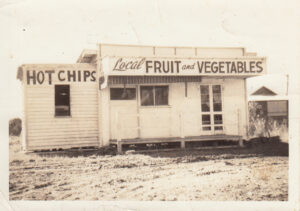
point(125, 105)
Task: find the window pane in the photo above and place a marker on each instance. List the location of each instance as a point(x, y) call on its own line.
point(217, 98)
point(218, 128)
point(161, 95)
point(218, 119)
point(205, 98)
point(206, 120)
point(122, 94)
point(206, 128)
point(62, 100)
point(147, 98)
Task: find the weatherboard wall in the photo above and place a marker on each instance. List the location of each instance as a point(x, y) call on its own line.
point(180, 118)
point(44, 130)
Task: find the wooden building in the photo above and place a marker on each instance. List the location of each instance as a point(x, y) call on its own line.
point(125, 94)
point(272, 107)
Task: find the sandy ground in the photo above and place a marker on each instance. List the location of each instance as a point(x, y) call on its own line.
point(257, 173)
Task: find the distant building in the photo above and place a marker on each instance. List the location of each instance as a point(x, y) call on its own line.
point(272, 107)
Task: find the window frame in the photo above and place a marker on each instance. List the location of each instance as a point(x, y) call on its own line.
point(122, 88)
point(154, 95)
point(212, 111)
point(69, 106)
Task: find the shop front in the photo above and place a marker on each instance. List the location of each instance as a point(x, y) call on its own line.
point(173, 98)
point(124, 94)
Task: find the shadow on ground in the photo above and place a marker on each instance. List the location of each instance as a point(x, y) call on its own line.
point(255, 147)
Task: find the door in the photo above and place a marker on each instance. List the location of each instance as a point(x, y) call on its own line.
point(211, 109)
point(123, 113)
point(155, 112)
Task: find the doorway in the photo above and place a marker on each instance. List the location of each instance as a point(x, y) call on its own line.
point(211, 109)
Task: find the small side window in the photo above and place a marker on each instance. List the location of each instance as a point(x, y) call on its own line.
point(62, 100)
point(122, 93)
point(154, 95)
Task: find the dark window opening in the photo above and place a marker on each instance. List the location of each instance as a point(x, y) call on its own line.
point(62, 100)
point(218, 120)
point(206, 119)
point(217, 97)
point(205, 98)
point(154, 95)
point(206, 128)
point(218, 128)
point(122, 93)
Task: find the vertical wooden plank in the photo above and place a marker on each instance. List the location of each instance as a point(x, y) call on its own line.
point(138, 110)
point(241, 144)
point(246, 108)
point(181, 125)
point(238, 122)
point(170, 123)
point(24, 120)
point(119, 147)
point(182, 144)
point(186, 88)
point(99, 101)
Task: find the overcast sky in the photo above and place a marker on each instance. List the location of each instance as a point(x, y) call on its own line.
point(34, 31)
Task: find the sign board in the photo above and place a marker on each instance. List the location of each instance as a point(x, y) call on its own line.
point(175, 66)
point(48, 74)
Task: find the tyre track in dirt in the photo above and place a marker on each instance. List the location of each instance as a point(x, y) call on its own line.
point(177, 175)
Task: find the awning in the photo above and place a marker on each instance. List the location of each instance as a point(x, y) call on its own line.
point(151, 79)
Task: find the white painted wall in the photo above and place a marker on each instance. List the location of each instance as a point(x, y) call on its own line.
point(182, 112)
point(44, 130)
point(164, 121)
point(158, 51)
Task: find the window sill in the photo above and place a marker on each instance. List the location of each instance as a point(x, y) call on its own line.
point(160, 106)
point(62, 117)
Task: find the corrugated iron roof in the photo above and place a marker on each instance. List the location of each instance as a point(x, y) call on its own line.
point(151, 79)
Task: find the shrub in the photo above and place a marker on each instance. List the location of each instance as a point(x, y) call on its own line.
point(260, 125)
point(15, 127)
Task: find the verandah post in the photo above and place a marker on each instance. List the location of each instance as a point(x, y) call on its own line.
point(239, 129)
point(119, 134)
point(182, 142)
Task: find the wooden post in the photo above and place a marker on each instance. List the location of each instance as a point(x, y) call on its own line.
point(239, 130)
point(119, 134)
point(119, 147)
point(181, 125)
point(24, 140)
point(138, 111)
point(241, 143)
point(182, 144)
point(238, 122)
point(118, 127)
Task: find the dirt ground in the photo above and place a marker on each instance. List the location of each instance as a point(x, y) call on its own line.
point(257, 172)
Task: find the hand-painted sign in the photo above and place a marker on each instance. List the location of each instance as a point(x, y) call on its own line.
point(156, 66)
point(47, 76)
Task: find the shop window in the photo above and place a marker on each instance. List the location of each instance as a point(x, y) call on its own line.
point(154, 95)
point(218, 127)
point(205, 98)
point(122, 93)
point(211, 107)
point(218, 121)
point(217, 98)
point(62, 100)
point(206, 122)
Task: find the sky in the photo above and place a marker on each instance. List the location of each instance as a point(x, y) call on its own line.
point(51, 31)
point(34, 31)
point(56, 31)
